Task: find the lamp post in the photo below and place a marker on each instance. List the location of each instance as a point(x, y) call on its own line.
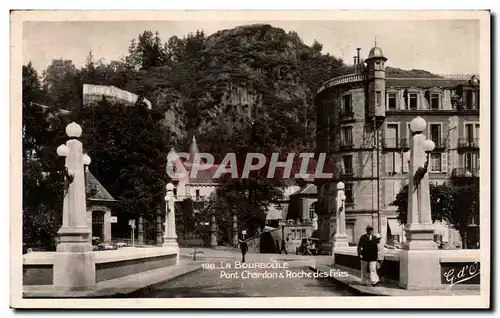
point(74, 261)
point(419, 228)
point(340, 238)
point(170, 236)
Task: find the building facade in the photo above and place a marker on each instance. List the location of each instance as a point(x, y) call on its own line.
point(363, 122)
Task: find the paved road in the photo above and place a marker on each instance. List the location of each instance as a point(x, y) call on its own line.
point(245, 282)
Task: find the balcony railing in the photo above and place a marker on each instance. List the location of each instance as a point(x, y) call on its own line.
point(440, 143)
point(346, 144)
point(346, 113)
point(341, 80)
point(346, 172)
point(472, 143)
point(465, 172)
point(396, 143)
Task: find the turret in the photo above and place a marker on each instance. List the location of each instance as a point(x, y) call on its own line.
point(375, 72)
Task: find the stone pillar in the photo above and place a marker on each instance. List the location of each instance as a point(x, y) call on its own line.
point(159, 234)
point(235, 230)
point(419, 228)
point(419, 259)
point(213, 231)
point(107, 226)
point(340, 239)
point(170, 237)
point(140, 230)
point(74, 261)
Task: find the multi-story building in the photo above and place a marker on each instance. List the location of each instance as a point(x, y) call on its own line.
point(363, 122)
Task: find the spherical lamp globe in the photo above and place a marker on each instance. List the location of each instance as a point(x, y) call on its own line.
point(428, 145)
point(62, 151)
point(170, 187)
point(86, 159)
point(340, 185)
point(73, 130)
point(418, 124)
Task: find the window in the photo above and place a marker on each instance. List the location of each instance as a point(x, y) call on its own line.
point(347, 136)
point(312, 211)
point(349, 195)
point(393, 162)
point(197, 194)
point(435, 131)
point(413, 101)
point(349, 228)
point(304, 233)
point(379, 98)
point(391, 136)
point(435, 162)
point(347, 159)
point(469, 100)
point(472, 133)
point(346, 103)
point(471, 161)
point(391, 100)
point(434, 101)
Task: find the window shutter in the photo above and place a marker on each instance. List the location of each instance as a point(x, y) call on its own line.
point(389, 162)
point(444, 162)
point(389, 192)
point(397, 163)
point(406, 159)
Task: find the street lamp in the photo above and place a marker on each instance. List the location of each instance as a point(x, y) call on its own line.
point(170, 236)
point(419, 228)
point(340, 238)
point(75, 232)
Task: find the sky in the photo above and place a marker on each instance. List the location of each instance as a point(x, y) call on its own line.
point(438, 46)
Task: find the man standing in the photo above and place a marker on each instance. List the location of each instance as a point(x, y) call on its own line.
point(368, 254)
point(283, 246)
point(244, 249)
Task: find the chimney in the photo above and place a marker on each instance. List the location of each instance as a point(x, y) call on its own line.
point(355, 64)
point(359, 61)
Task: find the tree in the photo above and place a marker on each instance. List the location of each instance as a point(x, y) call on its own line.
point(454, 204)
point(43, 132)
point(61, 81)
point(146, 52)
point(128, 147)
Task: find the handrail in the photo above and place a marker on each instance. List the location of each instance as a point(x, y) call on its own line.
point(350, 78)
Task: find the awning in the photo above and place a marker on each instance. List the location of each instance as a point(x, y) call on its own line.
point(394, 228)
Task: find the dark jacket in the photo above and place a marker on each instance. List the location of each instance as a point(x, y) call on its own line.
point(244, 247)
point(367, 248)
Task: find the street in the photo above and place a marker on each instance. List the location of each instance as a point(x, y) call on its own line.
point(221, 277)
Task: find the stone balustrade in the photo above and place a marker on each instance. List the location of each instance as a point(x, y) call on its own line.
point(350, 78)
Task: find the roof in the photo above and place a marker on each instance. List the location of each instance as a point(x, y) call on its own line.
point(100, 193)
point(309, 189)
point(425, 82)
point(376, 52)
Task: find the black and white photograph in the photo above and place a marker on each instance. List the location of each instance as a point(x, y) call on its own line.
point(245, 159)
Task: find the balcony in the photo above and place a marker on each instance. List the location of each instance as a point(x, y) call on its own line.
point(346, 172)
point(346, 144)
point(465, 173)
point(439, 143)
point(396, 143)
point(468, 143)
point(346, 114)
point(351, 78)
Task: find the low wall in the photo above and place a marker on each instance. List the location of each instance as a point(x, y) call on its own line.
point(348, 257)
point(456, 266)
point(38, 266)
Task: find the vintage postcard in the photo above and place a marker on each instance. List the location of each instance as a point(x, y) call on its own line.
point(250, 159)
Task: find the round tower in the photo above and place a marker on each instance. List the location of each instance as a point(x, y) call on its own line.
point(375, 76)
